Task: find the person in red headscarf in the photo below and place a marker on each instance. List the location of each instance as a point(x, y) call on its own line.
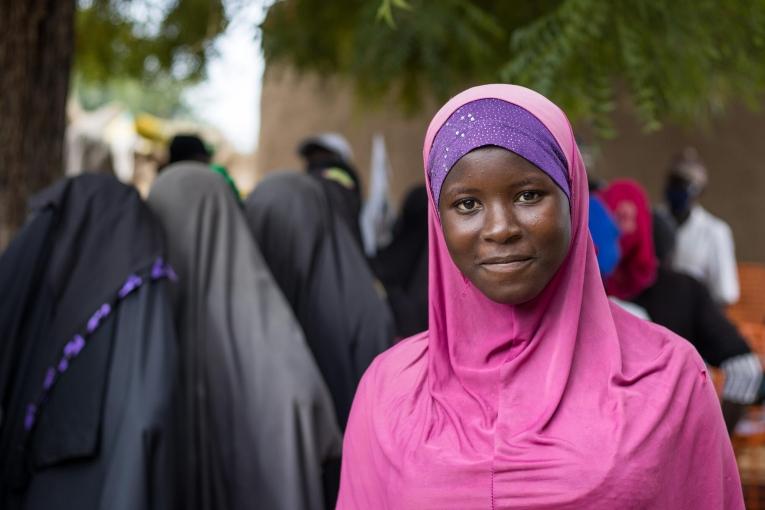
point(675, 300)
point(637, 267)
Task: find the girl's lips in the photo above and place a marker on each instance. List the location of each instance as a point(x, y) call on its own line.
point(507, 266)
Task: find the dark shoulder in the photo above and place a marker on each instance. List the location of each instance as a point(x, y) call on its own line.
point(672, 288)
point(671, 279)
point(685, 280)
point(644, 343)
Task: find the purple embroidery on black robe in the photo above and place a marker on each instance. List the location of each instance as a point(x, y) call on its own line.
point(72, 349)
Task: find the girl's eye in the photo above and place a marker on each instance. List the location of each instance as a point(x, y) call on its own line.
point(467, 205)
point(529, 196)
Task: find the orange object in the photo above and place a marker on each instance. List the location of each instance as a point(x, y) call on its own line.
point(751, 305)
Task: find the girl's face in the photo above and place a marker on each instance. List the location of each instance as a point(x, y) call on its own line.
point(506, 224)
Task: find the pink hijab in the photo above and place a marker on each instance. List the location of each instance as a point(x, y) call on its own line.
point(563, 402)
point(637, 268)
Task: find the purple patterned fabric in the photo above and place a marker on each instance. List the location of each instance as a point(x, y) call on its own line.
point(73, 348)
point(29, 419)
point(50, 377)
point(495, 122)
point(162, 270)
point(95, 320)
point(132, 283)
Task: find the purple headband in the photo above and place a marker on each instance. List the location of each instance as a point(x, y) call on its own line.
point(493, 121)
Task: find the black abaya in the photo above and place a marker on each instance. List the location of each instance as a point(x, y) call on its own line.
point(325, 278)
point(98, 436)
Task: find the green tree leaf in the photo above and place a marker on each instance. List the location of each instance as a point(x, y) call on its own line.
point(678, 60)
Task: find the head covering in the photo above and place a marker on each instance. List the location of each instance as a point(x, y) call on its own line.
point(86, 235)
point(636, 271)
point(223, 172)
point(87, 358)
point(605, 235)
point(402, 266)
point(337, 176)
point(565, 401)
point(688, 165)
point(187, 148)
point(491, 121)
point(256, 420)
point(323, 274)
point(332, 142)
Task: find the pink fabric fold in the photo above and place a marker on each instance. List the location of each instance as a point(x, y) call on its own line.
point(562, 402)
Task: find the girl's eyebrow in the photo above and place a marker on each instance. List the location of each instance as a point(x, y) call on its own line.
point(461, 190)
point(524, 181)
point(534, 180)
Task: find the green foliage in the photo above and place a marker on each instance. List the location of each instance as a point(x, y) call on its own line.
point(124, 47)
point(674, 59)
point(144, 40)
point(163, 99)
point(385, 11)
point(435, 46)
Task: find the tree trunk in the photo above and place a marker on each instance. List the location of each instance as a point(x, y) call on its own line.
point(36, 48)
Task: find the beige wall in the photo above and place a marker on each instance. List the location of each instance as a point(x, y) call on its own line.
point(294, 107)
point(733, 147)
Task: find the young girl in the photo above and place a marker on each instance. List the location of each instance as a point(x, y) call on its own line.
point(529, 389)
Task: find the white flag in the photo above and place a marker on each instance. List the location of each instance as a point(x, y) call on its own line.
point(376, 215)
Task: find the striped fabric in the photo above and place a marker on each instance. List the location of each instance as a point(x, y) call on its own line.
point(743, 376)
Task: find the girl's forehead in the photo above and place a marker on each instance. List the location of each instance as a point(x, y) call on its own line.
point(492, 162)
point(496, 122)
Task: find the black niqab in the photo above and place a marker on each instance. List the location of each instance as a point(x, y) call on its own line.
point(85, 237)
point(402, 266)
point(345, 200)
point(325, 278)
point(256, 422)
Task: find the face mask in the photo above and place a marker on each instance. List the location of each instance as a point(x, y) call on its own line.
point(679, 199)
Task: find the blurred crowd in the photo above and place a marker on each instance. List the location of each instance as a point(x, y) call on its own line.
point(675, 264)
point(201, 348)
